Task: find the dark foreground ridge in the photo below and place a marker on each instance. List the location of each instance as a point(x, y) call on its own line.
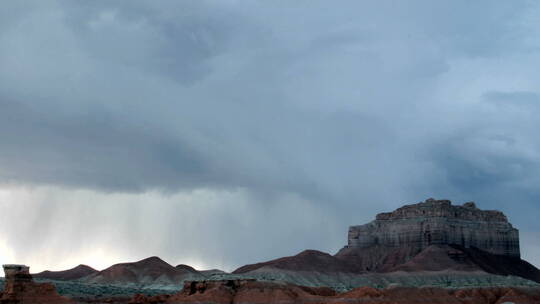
point(256, 292)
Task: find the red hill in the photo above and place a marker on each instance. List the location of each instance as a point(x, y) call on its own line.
point(75, 273)
point(308, 260)
point(151, 271)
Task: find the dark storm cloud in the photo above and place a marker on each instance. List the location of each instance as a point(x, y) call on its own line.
point(74, 150)
point(240, 129)
point(343, 110)
point(174, 39)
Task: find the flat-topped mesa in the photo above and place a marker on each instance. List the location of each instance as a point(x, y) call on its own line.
point(438, 222)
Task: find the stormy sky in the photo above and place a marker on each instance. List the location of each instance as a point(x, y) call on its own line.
point(221, 133)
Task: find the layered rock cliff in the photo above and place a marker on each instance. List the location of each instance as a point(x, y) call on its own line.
point(435, 235)
point(438, 222)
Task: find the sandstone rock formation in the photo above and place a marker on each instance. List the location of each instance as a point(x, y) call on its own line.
point(438, 222)
point(394, 238)
point(19, 288)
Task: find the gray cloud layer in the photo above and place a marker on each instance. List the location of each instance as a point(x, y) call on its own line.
point(348, 109)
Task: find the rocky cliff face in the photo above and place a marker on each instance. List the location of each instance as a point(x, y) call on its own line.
point(438, 222)
point(19, 288)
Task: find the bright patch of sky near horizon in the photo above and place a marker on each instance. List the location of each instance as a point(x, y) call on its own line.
point(223, 133)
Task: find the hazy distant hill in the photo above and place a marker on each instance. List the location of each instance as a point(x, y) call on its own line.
point(150, 272)
point(75, 273)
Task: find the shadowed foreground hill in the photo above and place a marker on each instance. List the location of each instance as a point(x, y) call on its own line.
point(21, 290)
point(455, 257)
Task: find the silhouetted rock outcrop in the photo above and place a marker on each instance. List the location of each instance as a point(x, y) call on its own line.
point(19, 288)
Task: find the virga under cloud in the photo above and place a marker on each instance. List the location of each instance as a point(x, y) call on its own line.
point(337, 110)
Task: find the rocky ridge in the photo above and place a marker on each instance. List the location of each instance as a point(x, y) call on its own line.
point(20, 289)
